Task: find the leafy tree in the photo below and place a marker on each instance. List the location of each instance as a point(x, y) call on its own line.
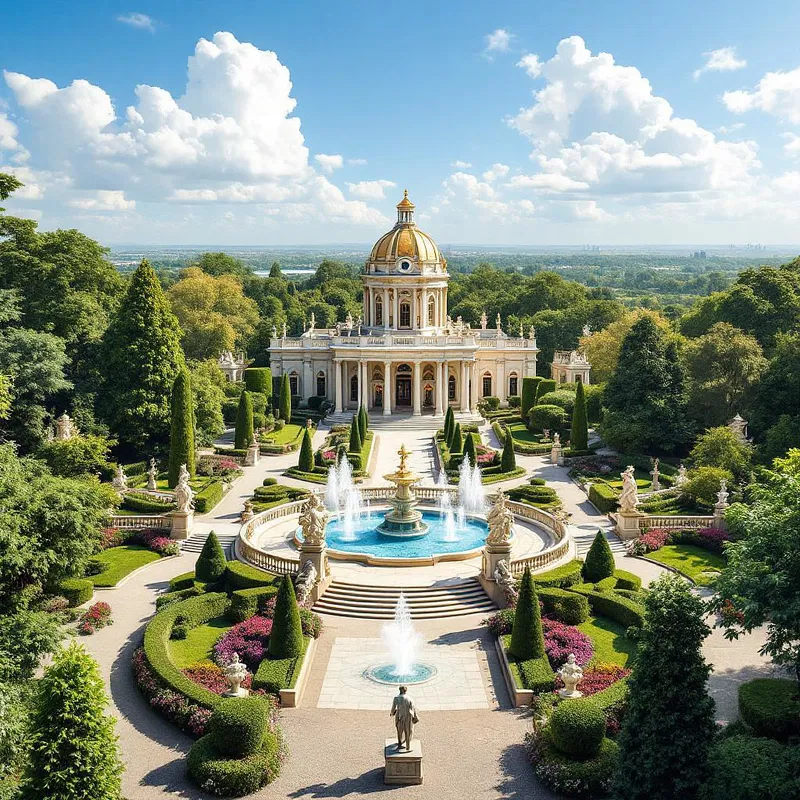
point(779, 390)
point(527, 637)
point(218, 264)
point(306, 460)
point(8, 185)
point(457, 445)
point(25, 637)
point(211, 564)
point(73, 751)
point(762, 579)
point(85, 454)
point(213, 312)
point(599, 563)
point(579, 436)
point(285, 399)
point(5, 396)
point(181, 437)
point(781, 436)
point(703, 483)
point(721, 447)
point(141, 358)
point(275, 270)
point(286, 639)
point(669, 722)
point(355, 435)
point(208, 397)
point(645, 397)
point(508, 461)
point(243, 435)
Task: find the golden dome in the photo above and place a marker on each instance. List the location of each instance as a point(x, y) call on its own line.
point(405, 202)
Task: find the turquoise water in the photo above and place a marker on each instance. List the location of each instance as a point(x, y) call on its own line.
point(386, 674)
point(367, 540)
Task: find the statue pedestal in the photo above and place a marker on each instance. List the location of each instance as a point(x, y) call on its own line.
point(627, 524)
point(318, 556)
point(492, 555)
point(402, 767)
point(251, 459)
point(719, 515)
point(182, 522)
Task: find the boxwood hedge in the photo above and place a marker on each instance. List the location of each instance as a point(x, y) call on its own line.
point(274, 674)
point(243, 576)
point(245, 603)
point(562, 577)
point(183, 581)
point(614, 606)
point(208, 497)
point(770, 707)
point(577, 728)
point(569, 607)
point(76, 590)
point(604, 497)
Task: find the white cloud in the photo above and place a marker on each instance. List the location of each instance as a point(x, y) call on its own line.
point(531, 64)
point(496, 171)
point(137, 20)
point(498, 41)
point(722, 60)
point(792, 146)
point(328, 163)
point(356, 162)
point(547, 182)
point(370, 190)
point(461, 165)
point(777, 93)
point(462, 188)
point(103, 201)
point(725, 129)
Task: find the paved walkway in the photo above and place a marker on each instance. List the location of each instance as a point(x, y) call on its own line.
point(335, 752)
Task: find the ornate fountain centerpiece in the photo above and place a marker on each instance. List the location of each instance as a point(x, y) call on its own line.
point(404, 520)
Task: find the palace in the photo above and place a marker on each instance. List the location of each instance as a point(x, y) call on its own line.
point(405, 353)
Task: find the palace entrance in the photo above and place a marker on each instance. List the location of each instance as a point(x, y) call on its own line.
point(402, 392)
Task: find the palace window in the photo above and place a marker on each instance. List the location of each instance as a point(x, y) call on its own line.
point(451, 387)
point(427, 373)
point(354, 388)
point(405, 315)
point(378, 311)
point(321, 384)
point(404, 368)
point(487, 385)
point(293, 383)
point(431, 311)
point(512, 383)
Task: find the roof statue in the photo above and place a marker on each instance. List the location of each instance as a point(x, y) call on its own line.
point(484, 321)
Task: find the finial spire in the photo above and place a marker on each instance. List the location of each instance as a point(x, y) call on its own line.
point(405, 210)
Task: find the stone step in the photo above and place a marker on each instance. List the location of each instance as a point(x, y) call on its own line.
point(194, 544)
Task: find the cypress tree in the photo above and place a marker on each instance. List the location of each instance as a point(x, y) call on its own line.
point(306, 460)
point(599, 563)
point(140, 358)
point(72, 748)
point(669, 720)
point(527, 636)
point(285, 399)
point(181, 436)
point(286, 639)
point(543, 387)
point(244, 422)
point(355, 436)
point(508, 461)
point(579, 436)
point(363, 423)
point(528, 397)
point(259, 379)
point(211, 564)
point(469, 449)
point(449, 419)
point(457, 444)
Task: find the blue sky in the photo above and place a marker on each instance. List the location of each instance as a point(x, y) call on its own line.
point(268, 123)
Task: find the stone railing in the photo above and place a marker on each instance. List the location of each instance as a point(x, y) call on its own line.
point(554, 526)
point(260, 558)
point(672, 522)
point(141, 521)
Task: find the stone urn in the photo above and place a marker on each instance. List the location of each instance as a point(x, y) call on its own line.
point(235, 674)
point(570, 674)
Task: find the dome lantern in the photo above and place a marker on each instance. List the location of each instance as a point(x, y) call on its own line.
point(405, 210)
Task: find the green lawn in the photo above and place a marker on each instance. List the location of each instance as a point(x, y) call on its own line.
point(608, 638)
point(520, 432)
point(690, 560)
point(121, 561)
point(286, 435)
point(197, 645)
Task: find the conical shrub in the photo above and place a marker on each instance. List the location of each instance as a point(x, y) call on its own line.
point(599, 563)
point(243, 434)
point(286, 639)
point(355, 435)
point(211, 564)
point(306, 460)
point(457, 444)
point(579, 435)
point(449, 419)
point(469, 450)
point(508, 462)
point(181, 435)
point(527, 637)
point(285, 399)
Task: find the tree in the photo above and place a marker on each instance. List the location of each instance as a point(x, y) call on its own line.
point(470, 454)
point(365, 415)
point(355, 435)
point(81, 455)
point(508, 461)
point(703, 483)
point(141, 358)
point(73, 751)
point(285, 399)
point(306, 460)
point(243, 435)
point(457, 445)
point(5, 396)
point(528, 397)
point(579, 436)
point(721, 447)
point(669, 722)
point(211, 564)
point(762, 579)
point(181, 436)
point(286, 639)
point(599, 563)
point(259, 379)
point(275, 270)
point(449, 419)
point(778, 393)
point(361, 418)
point(645, 397)
point(723, 367)
point(8, 185)
point(527, 637)
point(218, 264)
point(213, 312)
point(208, 396)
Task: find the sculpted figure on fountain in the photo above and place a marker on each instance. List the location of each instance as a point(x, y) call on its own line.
point(629, 496)
point(313, 521)
point(500, 519)
point(305, 581)
point(184, 496)
point(506, 581)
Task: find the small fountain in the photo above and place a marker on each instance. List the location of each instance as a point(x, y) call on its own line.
point(404, 520)
point(402, 642)
point(471, 495)
point(343, 497)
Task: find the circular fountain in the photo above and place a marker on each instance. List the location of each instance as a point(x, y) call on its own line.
point(404, 520)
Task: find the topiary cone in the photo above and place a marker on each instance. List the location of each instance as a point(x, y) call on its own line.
point(181, 435)
point(527, 637)
point(211, 564)
point(599, 563)
point(306, 460)
point(286, 639)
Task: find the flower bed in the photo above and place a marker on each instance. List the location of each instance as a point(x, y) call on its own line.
point(598, 678)
point(560, 640)
point(95, 617)
point(212, 677)
point(248, 639)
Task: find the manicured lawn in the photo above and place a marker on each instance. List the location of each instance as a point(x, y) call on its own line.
point(121, 561)
point(520, 432)
point(690, 560)
point(608, 638)
point(286, 435)
point(197, 645)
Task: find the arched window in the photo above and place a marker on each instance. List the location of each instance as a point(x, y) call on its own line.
point(354, 388)
point(487, 384)
point(404, 368)
point(431, 311)
point(405, 314)
point(293, 380)
point(321, 384)
point(513, 384)
point(451, 387)
point(427, 373)
point(378, 311)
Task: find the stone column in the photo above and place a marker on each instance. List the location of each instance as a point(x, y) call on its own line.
point(444, 374)
point(318, 556)
point(627, 524)
point(500, 376)
point(438, 376)
point(337, 376)
point(308, 388)
point(423, 316)
point(358, 385)
point(492, 555)
point(389, 387)
point(181, 523)
point(416, 391)
point(396, 322)
point(364, 385)
point(473, 393)
point(387, 377)
point(385, 307)
point(464, 389)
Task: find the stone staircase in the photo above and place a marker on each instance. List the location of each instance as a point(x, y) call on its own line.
point(194, 544)
point(423, 422)
point(426, 602)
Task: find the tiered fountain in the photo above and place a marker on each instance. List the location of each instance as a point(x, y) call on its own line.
point(404, 520)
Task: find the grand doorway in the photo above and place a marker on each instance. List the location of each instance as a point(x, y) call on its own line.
point(403, 391)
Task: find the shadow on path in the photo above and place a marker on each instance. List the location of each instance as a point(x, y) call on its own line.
point(366, 784)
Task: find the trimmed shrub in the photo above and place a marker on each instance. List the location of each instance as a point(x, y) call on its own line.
point(77, 590)
point(563, 398)
point(627, 580)
point(166, 599)
point(457, 444)
point(246, 603)
point(208, 496)
point(536, 495)
point(449, 421)
point(544, 387)
point(259, 402)
point(577, 728)
point(551, 417)
point(183, 581)
point(626, 612)
point(569, 607)
point(579, 435)
point(527, 638)
point(604, 497)
point(599, 563)
point(285, 399)
point(286, 640)
point(145, 504)
point(181, 434)
point(211, 564)
point(243, 576)
point(244, 422)
point(274, 674)
point(508, 461)
point(492, 403)
point(306, 460)
point(469, 450)
point(363, 423)
point(269, 482)
point(537, 675)
point(238, 725)
point(770, 707)
point(514, 400)
point(355, 444)
point(528, 397)
point(258, 379)
point(561, 577)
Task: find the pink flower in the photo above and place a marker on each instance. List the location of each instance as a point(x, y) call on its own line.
point(560, 640)
point(248, 640)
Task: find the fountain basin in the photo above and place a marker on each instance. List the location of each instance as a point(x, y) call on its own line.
point(387, 673)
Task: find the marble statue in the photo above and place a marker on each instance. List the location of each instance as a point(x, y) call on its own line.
point(723, 494)
point(285, 330)
point(484, 321)
point(570, 674)
point(184, 496)
point(532, 332)
point(556, 440)
point(681, 479)
point(227, 358)
point(152, 475)
point(506, 581)
point(521, 331)
point(247, 511)
point(235, 674)
point(313, 520)
point(313, 323)
point(656, 485)
point(500, 520)
point(629, 496)
point(120, 479)
point(305, 581)
point(405, 718)
point(498, 325)
point(587, 331)
point(274, 332)
point(65, 428)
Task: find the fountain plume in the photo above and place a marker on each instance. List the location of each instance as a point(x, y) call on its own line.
point(401, 640)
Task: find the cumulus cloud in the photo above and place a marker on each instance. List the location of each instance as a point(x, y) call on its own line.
point(732, 128)
point(496, 171)
point(461, 165)
point(356, 162)
point(461, 189)
point(137, 20)
point(328, 163)
point(722, 60)
point(103, 201)
point(531, 64)
point(498, 41)
point(777, 93)
point(370, 190)
point(792, 146)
